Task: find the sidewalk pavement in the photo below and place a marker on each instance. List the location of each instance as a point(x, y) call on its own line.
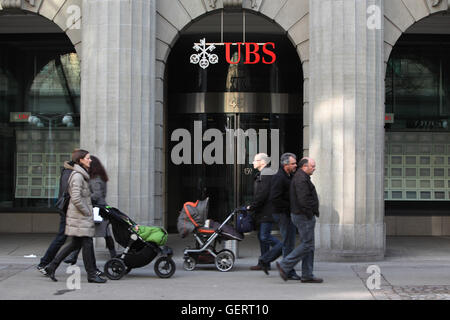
point(414, 268)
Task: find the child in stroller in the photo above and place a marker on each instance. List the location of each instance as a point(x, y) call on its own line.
point(142, 244)
point(192, 220)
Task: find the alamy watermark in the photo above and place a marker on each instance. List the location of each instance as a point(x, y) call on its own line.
point(73, 282)
point(374, 17)
point(230, 147)
point(374, 280)
point(73, 20)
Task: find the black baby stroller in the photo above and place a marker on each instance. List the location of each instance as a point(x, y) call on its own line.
point(137, 253)
point(192, 219)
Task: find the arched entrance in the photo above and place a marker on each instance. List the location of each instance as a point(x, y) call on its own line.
point(417, 154)
point(215, 103)
point(39, 111)
point(173, 17)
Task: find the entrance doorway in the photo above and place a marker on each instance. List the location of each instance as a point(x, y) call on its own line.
point(255, 98)
point(227, 185)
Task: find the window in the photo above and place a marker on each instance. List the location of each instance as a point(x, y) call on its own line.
point(39, 117)
point(418, 141)
point(418, 85)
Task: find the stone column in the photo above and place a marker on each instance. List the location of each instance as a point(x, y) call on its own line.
point(117, 100)
point(347, 127)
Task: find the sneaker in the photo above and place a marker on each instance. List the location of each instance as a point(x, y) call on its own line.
point(99, 273)
point(96, 279)
point(42, 270)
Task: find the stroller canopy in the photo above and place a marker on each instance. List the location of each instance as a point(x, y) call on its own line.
point(192, 215)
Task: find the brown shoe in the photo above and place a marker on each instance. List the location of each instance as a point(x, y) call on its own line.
point(312, 280)
point(256, 268)
point(282, 273)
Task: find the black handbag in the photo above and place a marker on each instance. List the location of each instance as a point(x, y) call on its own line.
point(63, 202)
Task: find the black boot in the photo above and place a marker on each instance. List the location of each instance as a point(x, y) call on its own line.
point(50, 271)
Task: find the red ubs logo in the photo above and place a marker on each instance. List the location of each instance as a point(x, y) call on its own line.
point(251, 52)
point(252, 55)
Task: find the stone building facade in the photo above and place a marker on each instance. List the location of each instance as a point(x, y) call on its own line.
point(343, 48)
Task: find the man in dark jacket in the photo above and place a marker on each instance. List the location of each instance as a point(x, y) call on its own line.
point(262, 210)
point(279, 198)
point(60, 238)
point(304, 208)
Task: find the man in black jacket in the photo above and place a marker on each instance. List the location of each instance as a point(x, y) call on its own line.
point(304, 208)
point(262, 210)
point(279, 198)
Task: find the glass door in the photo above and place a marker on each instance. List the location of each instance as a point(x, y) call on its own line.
point(290, 133)
point(195, 181)
point(229, 182)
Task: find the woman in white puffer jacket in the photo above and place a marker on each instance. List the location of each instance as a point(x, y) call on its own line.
point(79, 219)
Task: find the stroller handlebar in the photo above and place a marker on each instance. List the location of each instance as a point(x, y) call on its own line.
point(241, 209)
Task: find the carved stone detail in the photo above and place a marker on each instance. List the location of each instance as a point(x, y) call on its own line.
point(16, 4)
point(436, 3)
point(232, 3)
point(212, 3)
point(11, 4)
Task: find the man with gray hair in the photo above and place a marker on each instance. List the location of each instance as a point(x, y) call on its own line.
point(304, 208)
point(261, 207)
point(279, 198)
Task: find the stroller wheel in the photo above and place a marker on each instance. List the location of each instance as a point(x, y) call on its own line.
point(224, 260)
point(189, 264)
point(115, 269)
point(165, 267)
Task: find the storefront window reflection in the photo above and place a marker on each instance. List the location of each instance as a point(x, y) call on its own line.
point(417, 148)
point(39, 117)
point(417, 87)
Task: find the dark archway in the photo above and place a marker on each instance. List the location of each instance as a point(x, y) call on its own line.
point(417, 154)
point(224, 97)
point(39, 110)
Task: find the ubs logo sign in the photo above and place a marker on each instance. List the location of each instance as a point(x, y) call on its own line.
point(204, 58)
point(251, 53)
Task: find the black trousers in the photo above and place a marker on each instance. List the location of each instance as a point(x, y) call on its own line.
point(109, 244)
point(77, 243)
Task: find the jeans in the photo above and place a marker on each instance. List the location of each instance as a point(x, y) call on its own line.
point(87, 245)
point(56, 244)
point(288, 231)
point(266, 241)
point(305, 251)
